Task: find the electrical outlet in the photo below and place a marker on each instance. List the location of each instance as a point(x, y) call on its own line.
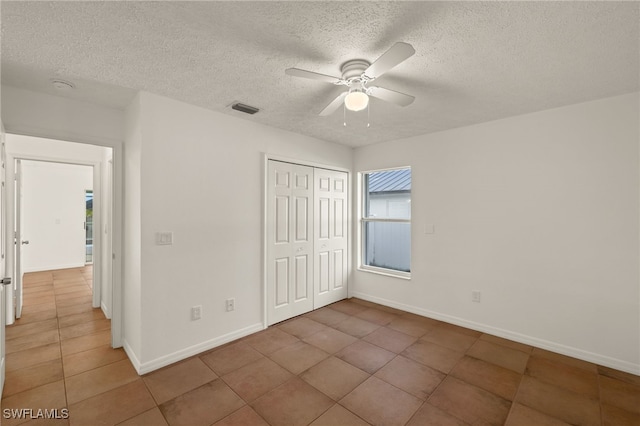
point(231, 304)
point(196, 313)
point(475, 296)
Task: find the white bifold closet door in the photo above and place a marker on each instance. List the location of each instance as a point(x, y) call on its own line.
point(289, 241)
point(306, 239)
point(330, 242)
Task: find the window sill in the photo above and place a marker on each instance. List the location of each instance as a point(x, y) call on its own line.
point(385, 272)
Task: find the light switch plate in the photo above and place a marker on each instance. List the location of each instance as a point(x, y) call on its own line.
point(196, 313)
point(429, 228)
point(164, 238)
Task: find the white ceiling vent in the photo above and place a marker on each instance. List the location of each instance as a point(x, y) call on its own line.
point(244, 108)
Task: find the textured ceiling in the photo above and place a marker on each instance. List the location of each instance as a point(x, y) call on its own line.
point(474, 61)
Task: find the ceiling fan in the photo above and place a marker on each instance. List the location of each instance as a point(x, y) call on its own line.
point(357, 74)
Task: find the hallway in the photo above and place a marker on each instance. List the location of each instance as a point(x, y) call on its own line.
point(55, 347)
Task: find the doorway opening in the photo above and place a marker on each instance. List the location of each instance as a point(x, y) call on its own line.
point(56, 220)
point(93, 223)
point(59, 296)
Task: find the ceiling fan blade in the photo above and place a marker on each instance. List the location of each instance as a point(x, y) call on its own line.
point(334, 105)
point(389, 59)
point(296, 72)
point(391, 96)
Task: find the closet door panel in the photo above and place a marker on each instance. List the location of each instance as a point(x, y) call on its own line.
point(332, 230)
point(289, 240)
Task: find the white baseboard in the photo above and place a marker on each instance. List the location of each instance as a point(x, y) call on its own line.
point(132, 356)
point(595, 358)
point(149, 366)
point(105, 310)
point(53, 267)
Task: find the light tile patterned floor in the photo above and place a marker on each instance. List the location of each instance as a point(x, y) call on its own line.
point(351, 363)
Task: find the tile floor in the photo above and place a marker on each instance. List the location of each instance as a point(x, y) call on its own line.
point(351, 363)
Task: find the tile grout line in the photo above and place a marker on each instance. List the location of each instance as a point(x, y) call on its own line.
point(218, 377)
point(397, 355)
point(449, 374)
point(600, 396)
point(434, 390)
point(515, 396)
point(362, 339)
point(64, 377)
point(335, 402)
point(58, 328)
point(359, 339)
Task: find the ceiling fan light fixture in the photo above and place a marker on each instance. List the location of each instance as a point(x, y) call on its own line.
point(356, 100)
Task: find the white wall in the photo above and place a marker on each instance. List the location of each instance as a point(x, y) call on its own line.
point(132, 215)
point(38, 114)
point(201, 177)
point(106, 291)
point(53, 206)
point(21, 146)
point(538, 212)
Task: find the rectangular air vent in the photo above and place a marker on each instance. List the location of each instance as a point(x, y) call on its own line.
point(244, 108)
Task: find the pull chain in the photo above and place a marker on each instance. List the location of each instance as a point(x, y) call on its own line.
point(368, 115)
point(344, 114)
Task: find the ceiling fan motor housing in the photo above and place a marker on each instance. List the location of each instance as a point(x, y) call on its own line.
point(354, 69)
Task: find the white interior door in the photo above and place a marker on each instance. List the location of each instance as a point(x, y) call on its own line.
point(289, 240)
point(331, 230)
point(18, 240)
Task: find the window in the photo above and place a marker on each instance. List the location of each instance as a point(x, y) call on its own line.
point(386, 222)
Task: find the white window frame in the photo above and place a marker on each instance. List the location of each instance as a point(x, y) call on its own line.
point(362, 266)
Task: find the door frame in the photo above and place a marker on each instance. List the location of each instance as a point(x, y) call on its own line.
point(3, 270)
point(98, 220)
point(16, 264)
point(116, 221)
point(265, 170)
